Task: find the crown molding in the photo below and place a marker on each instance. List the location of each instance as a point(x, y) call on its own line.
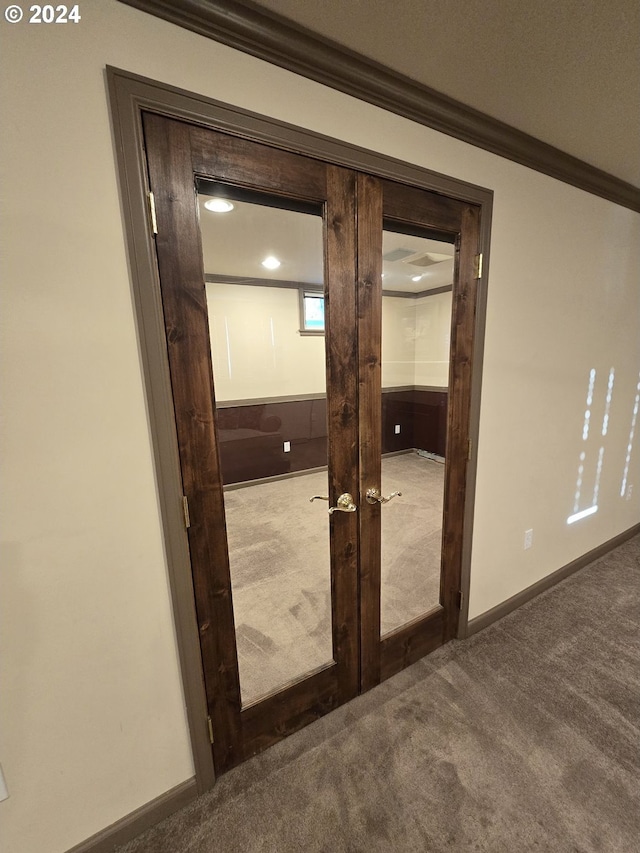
point(265, 35)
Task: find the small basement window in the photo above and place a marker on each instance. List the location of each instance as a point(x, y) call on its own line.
point(311, 312)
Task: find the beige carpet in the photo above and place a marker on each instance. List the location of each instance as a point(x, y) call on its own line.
point(523, 738)
point(279, 554)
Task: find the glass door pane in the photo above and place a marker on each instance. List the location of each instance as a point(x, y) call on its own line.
point(416, 326)
point(263, 267)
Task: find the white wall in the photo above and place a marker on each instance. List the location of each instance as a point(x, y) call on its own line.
point(256, 345)
point(416, 335)
point(398, 341)
point(92, 709)
point(258, 351)
point(433, 339)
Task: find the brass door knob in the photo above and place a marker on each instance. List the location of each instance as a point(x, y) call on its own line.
point(344, 503)
point(374, 496)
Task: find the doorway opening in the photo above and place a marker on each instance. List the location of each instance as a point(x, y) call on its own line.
point(383, 418)
point(302, 607)
point(270, 390)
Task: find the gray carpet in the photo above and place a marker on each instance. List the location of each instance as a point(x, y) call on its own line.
point(523, 738)
point(279, 560)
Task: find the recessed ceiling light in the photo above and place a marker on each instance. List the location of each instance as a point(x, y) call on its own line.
point(416, 277)
point(271, 263)
point(218, 205)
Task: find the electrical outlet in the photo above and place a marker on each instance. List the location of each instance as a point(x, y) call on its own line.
point(397, 429)
point(528, 539)
point(287, 446)
point(629, 492)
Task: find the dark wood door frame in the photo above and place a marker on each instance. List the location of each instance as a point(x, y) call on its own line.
point(130, 95)
point(178, 155)
point(402, 206)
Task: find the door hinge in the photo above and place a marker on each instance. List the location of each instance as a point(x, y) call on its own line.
point(185, 512)
point(477, 266)
point(469, 449)
point(210, 726)
point(459, 599)
point(152, 213)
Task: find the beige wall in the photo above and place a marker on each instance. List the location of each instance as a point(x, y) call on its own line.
point(416, 334)
point(258, 351)
point(256, 345)
point(92, 708)
point(398, 341)
point(433, 339)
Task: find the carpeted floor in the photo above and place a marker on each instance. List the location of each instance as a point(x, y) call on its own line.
point(279, 560)
point(523, 738)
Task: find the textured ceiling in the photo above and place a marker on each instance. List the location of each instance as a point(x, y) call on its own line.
point(564, 71)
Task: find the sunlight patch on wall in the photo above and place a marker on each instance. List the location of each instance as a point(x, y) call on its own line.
point(587, 414)
point(582, 514)
point(605, 420)
point(634, 417)
point(591, 510)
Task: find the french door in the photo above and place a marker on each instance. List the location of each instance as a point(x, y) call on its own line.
point(310, 573)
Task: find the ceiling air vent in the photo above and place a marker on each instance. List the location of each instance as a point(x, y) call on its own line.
point(398, 254)
point(426, 259)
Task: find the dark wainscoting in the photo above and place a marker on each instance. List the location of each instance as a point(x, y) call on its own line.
point(252, 438)
point(422, 417)
point(252, 435)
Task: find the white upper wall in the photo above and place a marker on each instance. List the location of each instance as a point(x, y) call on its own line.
point(92, 707)
point(398, 341)
point(433, 339)
point(256, 346)
point(258, 351)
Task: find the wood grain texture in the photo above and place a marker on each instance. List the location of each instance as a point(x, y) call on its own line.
point(354, 208)
point(369, 334)
point(458, 425)
point(418, 208)
point(285, 712)
point(415, 206)
point(342, 418)
point(411, 642)
point(178, 154)
point(187, 333)
point(250, 164)
point(136, 95)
